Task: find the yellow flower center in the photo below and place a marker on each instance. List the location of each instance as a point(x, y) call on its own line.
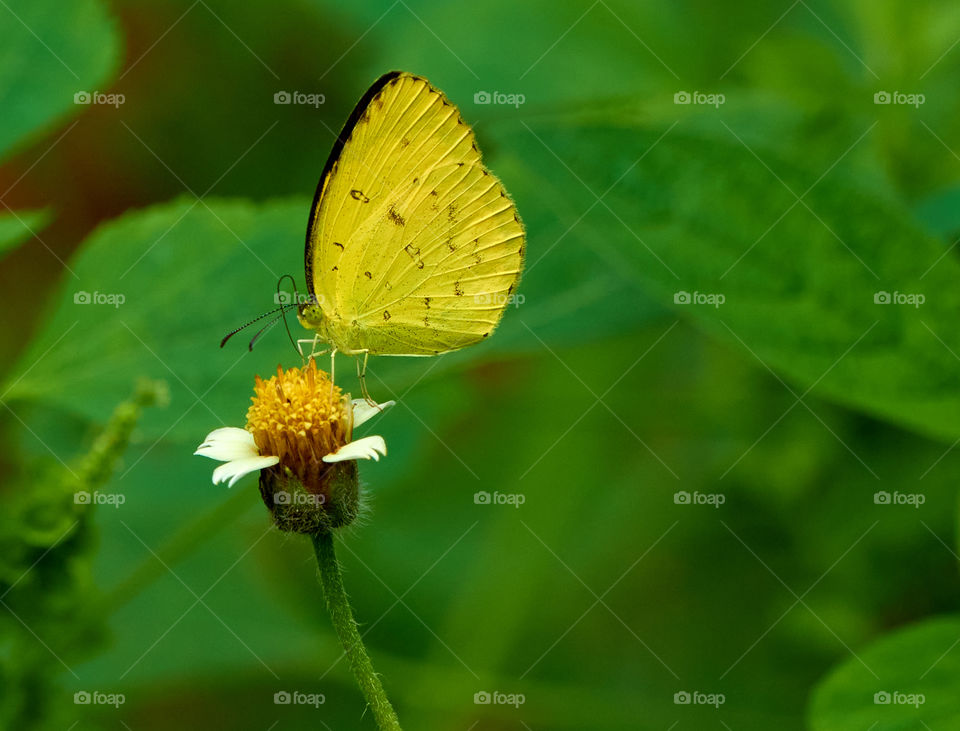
point(299, 416)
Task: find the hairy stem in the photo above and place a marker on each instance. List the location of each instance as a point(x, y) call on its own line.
point(346, 628)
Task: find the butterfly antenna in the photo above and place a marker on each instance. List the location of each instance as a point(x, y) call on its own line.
point(296, 299)
point(264, 329)
point(255, 319)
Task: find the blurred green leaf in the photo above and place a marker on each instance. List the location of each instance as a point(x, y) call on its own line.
point(941, 212)
point(18, 227)
point(52, 50)
point(701, 213)
point(907, 680)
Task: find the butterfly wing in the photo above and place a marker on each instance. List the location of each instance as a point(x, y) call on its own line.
point(413, 248)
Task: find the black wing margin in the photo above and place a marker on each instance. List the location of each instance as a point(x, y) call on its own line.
point(338, 145)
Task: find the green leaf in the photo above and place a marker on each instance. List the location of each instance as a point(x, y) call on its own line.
point(52, 49)
point(916, 687)
point(16, 227)
point(701, 213)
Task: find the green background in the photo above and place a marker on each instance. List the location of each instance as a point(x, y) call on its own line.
point(787, 584)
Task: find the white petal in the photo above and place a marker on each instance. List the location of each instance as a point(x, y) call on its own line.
point(363, 411)
point(227, 444)
point(366, 448)
point(237, 468)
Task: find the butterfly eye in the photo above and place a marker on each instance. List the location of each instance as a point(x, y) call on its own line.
point(310, 315)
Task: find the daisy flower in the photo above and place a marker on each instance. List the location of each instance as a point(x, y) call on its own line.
point(299, 437)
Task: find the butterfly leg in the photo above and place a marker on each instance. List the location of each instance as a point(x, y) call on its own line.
point(314, 341)
point(362, 377)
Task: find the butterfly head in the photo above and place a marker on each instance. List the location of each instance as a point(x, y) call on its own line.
point(311, 316)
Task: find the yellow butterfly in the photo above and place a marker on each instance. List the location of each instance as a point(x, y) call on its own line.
point(413, 246)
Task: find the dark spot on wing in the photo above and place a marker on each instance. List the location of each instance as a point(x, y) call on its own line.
point(457, 289)
point(450, 245)
point(337, 243)
point(395, 217)
point(368, 275)
point(404, 142)
point(420, 264)
point(386, 315)
point(335, 268)
point(459, 164)
point(358, 195)
point(452, 211)
point(433, 192)
point(426, 302)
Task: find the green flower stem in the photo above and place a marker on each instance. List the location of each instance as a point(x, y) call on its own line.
point(346, 628)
